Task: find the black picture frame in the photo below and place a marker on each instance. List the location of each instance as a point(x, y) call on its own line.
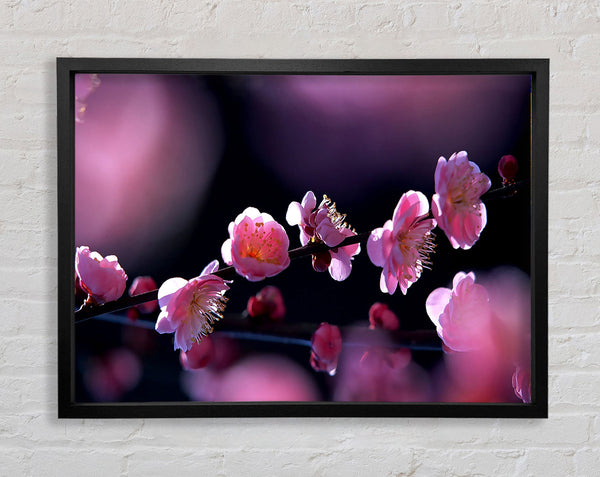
point(66, 70)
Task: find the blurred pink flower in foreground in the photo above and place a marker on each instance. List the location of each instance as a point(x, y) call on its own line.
point(199, 356)
point(326, 348)
point(484, 372)
point(403, 245)
point(189, 308)
point(521, 381)
point(379, 371)
point(142, 285)
point(324, 224)
point(461, 315)
point(380, 316)
point(256, 378)
point(102, 278)
point(267, 303)
point(109, 377)
point(456, 204)
point(257, 246)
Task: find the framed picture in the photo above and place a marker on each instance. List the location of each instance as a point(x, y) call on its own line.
point(302, 237)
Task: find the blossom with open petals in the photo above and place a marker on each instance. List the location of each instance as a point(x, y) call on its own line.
point(190, 308)
point(324, 224)
point(521, 382)
point(462, 316)
point(403, 245)
point(257, 246)
point(456, 204)
point(326, 348)
point(101, 277)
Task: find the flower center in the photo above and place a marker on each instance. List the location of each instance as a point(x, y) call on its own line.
point(209, 308)
point(416, 246)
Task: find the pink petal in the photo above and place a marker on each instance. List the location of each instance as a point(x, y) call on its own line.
point(210, 268)
point(226, 251)
point(440, 174)
point(294, 214)
point(436, 302)
point(163, 325)
point(328, 232)
point(170, 289)
point(183, 338)
point(340, 266)
point(411, 206)
point(389, 280)
point(375, 247)
point(309, 201)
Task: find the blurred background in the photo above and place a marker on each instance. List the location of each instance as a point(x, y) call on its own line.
point(164, 163)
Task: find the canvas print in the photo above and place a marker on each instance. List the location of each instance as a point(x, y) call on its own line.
point(292, 238)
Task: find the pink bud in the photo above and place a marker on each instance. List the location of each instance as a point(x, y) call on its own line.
point(102, 278)
point(321, 261)
point(380, 316)
point(199, 356)
point(326, 347)
point(507, 168)
point(267, 303)
point(142, 285)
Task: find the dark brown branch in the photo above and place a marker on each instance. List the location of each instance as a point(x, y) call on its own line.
point(227, 273)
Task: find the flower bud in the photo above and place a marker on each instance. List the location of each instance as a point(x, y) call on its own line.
point(326, 347)
point(380, 316)
point(508, 168)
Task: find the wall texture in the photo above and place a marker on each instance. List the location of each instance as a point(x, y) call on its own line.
point(33, 33)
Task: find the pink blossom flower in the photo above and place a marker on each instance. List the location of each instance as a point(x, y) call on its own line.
point(140, 286)
point(326, 348)
point(257, 246)
point(403, 245)
point(380, 316)
point(190, 308)
point(462, 316)
point(102, 278)
point(267, 303)
point(324, 224)
point(199, 356)
point(521, 383)
point(456, 204)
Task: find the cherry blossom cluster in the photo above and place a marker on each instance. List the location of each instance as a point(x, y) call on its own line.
point(258, 247)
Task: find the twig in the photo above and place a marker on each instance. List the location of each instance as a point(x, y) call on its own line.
point(235, 326)
point(227, 273)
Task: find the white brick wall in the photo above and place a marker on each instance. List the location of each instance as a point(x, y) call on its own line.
point(33, 33)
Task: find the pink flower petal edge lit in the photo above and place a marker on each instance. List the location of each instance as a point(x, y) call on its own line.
point(190, 308)
point(462, 316)
point(257, 246)
point(456, 204)
point(101, 277)
point(403, 245)
point(326, 348)
point(324, 224)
